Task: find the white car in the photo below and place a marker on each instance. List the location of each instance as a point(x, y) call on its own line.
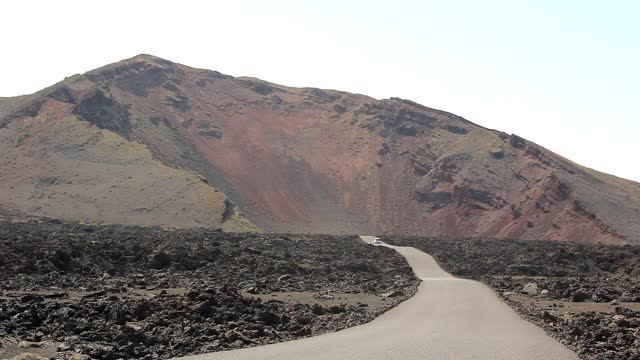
point(377, 241)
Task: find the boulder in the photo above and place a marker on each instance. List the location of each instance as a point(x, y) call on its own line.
point(530, 289)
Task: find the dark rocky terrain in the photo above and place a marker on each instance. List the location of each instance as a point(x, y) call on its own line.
point(585, 295)
point(109, 292)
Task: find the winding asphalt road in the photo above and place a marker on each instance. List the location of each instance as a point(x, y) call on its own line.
point(447, 319)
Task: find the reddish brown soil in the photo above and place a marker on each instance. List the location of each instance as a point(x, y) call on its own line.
point(290, 159)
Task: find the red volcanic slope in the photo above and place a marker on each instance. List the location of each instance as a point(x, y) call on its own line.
point(289, 159)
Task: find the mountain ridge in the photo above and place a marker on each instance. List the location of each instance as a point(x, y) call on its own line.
point(295, 159)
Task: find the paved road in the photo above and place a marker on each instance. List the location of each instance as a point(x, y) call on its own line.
point(447, 319)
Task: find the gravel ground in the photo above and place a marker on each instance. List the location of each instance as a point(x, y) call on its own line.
point(110, 292)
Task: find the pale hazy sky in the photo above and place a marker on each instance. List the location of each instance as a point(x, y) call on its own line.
point(564, 74)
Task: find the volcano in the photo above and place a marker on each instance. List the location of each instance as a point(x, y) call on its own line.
point(151, 142)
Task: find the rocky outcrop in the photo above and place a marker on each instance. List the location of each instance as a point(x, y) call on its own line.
point(106, 113)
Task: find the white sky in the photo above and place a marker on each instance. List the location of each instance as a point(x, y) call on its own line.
point(564, 74)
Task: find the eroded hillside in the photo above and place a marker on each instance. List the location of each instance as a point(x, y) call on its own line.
point(146, 140)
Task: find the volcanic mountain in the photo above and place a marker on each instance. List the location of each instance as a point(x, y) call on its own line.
point(148, 141)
